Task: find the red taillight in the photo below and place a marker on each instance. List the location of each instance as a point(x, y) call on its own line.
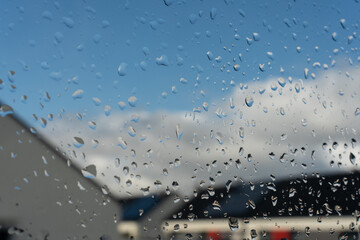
point(214, 236)
point(279, 235)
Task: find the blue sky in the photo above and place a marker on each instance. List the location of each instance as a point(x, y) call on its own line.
point(89, 40)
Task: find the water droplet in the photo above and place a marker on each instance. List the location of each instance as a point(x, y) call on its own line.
point(292, 192)
point(343, 23)
point(233, 224)
point(47, 15)
point(274, 200)
point(216, 206)
point(253, 234)
point(78, 94)
point(219, 138)
point(97, 38)
point(96, 101)
point(132, 101)
point(252, 204)
point(205, 106)
point(59, 37)
point(122, 105)
point(236, 67)
point(262, 90)
point(282, 82)
point(304, 122)
point(213, 13)
point(105, 23)
point(191, 217)
point(78, 142)
point(176, 227)
point(352, 158)
point(162, 60)
point(158, 184)
point(132, 131)
point(177, 162)
point(145, 191)
point(69, 22)
point(92, 125)
point(357, 112)
point(210, 55)
point(5, 110)
point(122, 69)
point(107, 110)
point(13, 155)
point(228, 185)
point(307, 231)
point(143, 65)
point(249, 101)
point(122, 143)
point(262, 67)
point(193, 18)
point(57, 76)
point(282, 111)
point(334, 36)
point(256, 36)
point(270, 55)
point(175, 185)
point(128, 183)
point(126, 170)
point(241, 132)
point(179, 132)
point(117, 179)
point(89, 171)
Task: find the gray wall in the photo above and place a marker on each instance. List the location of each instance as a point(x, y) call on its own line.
point(35, 206)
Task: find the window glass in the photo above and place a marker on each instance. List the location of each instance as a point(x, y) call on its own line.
point(179, 119)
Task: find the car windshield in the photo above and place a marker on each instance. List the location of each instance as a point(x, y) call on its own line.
point(175, 119)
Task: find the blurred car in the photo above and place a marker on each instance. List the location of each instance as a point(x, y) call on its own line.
point(311, 207)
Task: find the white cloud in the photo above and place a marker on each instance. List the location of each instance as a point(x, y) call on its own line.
point(279, 121)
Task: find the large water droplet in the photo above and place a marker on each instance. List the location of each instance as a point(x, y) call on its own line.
point(253, 234)
point(233, 224)
point(175, 185)
point(213, 13)
point(78, 142)
point(92, 125)
point(249, 101)
point(236, 67)
point(307, 231)
point(352, 158)
point(132, 131)
point(122, 143)
point(5, 110)
point(132, 101)
point(122, 69)
point(89, 171)
point(107, 110)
